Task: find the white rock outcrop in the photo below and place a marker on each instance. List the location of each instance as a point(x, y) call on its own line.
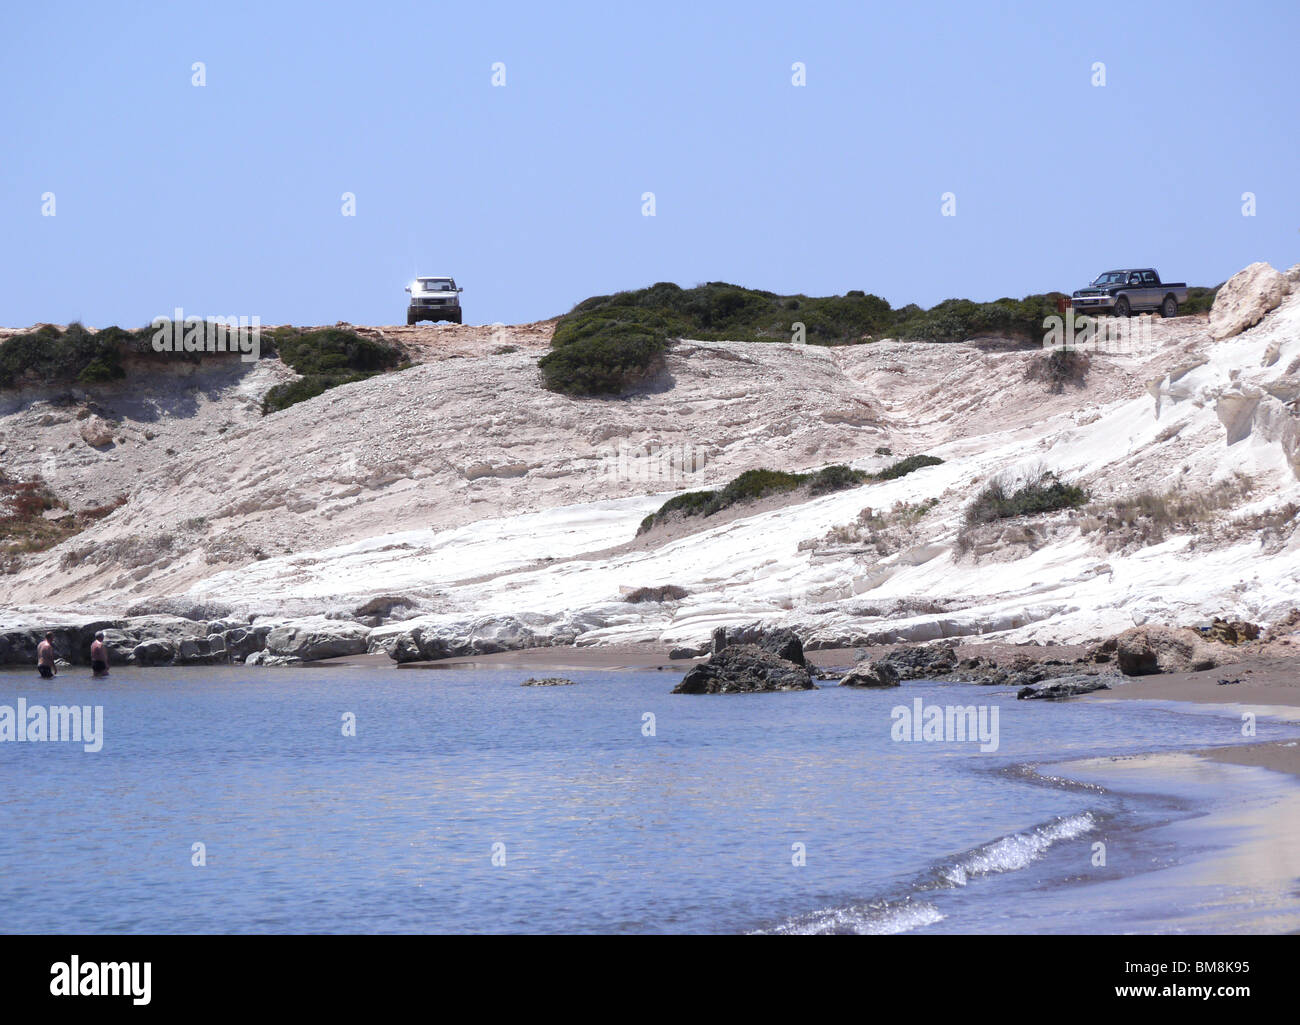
point(1246, 298)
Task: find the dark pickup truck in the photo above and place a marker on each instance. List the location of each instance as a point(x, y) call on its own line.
point(1122, 292)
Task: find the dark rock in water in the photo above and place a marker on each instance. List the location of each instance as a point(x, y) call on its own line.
point(924, 661)
point(547, 681)
point(783, 642)
point(1065, 687)
point(871, 674)
point(744, 669)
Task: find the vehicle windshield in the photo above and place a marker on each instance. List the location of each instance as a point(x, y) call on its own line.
point(436, 284)
point(1111, 277)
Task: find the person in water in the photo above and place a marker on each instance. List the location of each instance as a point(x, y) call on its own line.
point(98, 656)
point(45, 657)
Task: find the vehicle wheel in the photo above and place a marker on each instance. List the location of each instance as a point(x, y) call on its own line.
point(1169, 308)
point(1121, 306)
point(456, 319)
point(409, 320)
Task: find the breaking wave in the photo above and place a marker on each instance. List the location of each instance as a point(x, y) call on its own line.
point(1006, 854)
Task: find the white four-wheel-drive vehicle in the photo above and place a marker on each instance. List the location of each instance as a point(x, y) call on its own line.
point(433, 299)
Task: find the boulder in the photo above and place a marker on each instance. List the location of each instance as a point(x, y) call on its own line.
point(744, 669)
point(1231, 633)
point(265, 658)
point(923, 662)
point(547, 681)
point(685, 652)
point(782, 642)
point(1245, 299)
point(242, 642)
point(97, 432)
point(154, 652)
point(1145, 650)
point(1065, 687)
point(312, 641)
point(871, 674)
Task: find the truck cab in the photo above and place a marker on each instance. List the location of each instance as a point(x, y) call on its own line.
point(433, 298)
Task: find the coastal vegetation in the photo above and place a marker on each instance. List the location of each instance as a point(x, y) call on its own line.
point(1149, 517)
point(1059, 367)
point(1042, 492)
point(753, 485)
point(607, 344)
point(326, 359)
point(666, 592)
point(26, 524)
point(51, 355)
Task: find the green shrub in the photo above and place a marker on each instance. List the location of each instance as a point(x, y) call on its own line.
point(667, 592)
point(1199, 300)
point(835, 478)
point(1040, 494)
point(326, 358)
point(603, 352)
point(751, 486)
point(614, 338)
point(905, 466)
point(49, 355)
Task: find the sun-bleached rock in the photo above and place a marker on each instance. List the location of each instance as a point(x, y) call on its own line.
point(1246, 298)
point(96, 432)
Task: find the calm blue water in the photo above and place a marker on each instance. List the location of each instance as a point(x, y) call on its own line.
point(604, 829)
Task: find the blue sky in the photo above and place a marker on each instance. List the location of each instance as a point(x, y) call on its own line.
point(226, 199)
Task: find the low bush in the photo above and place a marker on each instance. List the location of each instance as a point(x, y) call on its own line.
point(326, 359)
point(1041, 493)
point(666, 592)
point(751, 486)
point(1058, 368)
point(905, 466)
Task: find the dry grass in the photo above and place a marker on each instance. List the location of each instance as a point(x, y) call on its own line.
point(24, 526)
point(1150, 517)
point(884, 531)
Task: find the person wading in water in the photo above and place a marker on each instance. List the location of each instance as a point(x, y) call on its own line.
point(98, 656)
point(45, 657)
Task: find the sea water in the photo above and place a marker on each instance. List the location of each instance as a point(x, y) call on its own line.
point(360, 800)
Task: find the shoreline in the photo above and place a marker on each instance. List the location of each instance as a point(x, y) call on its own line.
point(1242, 847)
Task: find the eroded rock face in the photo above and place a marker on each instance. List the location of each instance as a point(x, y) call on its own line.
point(744, 669)
point(1246, 298)
point(429, 638)
point(1145, 650)
point(871, 674)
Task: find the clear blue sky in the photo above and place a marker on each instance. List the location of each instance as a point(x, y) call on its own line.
point(226, 199)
